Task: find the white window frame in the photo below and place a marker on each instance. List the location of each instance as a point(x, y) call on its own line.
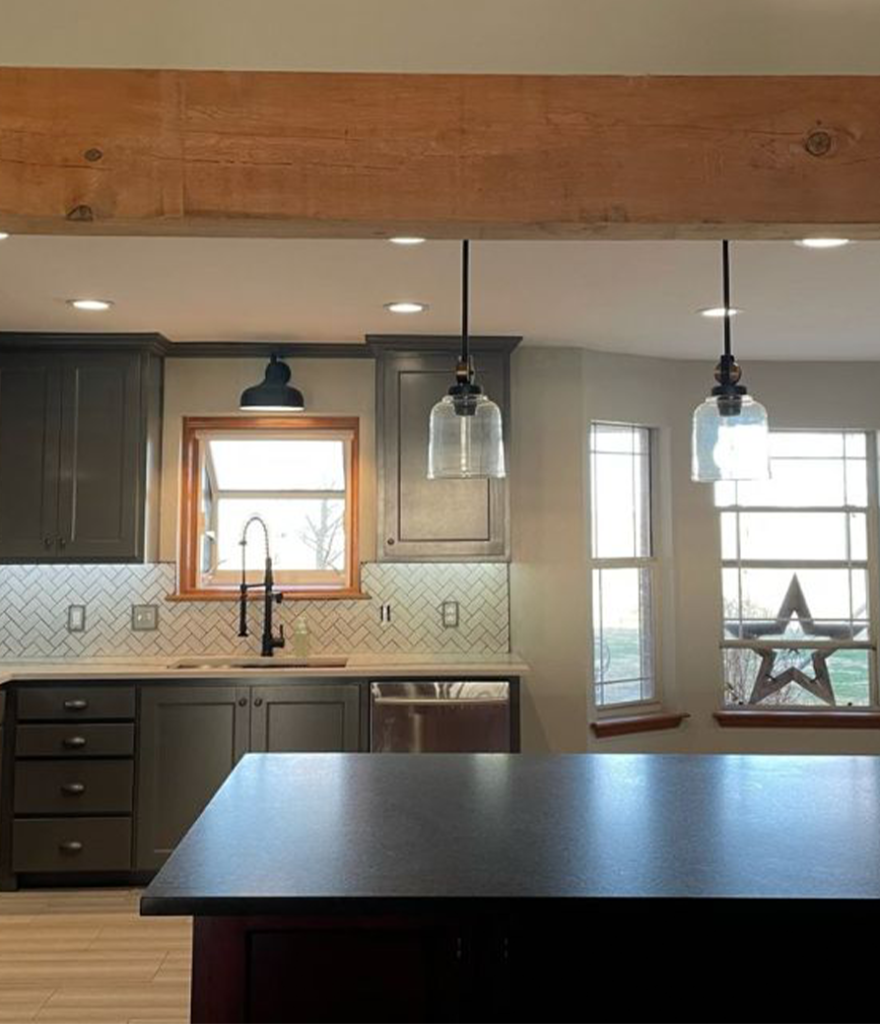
point(870, 565)
point(651, 563)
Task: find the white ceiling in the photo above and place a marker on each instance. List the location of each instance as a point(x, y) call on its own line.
point(516, 36)
point(634, 297)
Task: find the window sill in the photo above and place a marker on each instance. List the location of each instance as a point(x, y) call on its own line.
point(625, 724)
point(736, 719)
point(255, 594)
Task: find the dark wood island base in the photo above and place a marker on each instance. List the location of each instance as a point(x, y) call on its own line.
point(494, 887)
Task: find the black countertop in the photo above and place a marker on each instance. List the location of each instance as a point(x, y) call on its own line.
point(305, 832)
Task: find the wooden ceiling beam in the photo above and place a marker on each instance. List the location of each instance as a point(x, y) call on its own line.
point(265, 154)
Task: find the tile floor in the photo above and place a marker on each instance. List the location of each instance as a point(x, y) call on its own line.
point(76, 956)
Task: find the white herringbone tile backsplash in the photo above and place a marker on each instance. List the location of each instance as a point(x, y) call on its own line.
point(34, 601)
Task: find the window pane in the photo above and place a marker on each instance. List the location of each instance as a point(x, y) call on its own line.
point(622, 635)
point(781, 602)
point(806, 444)
point(261, 464)
point(619, 438)
point(789, 536)
point(304, 533)
point(621, 505)
point(848, 674)
point(856, 481)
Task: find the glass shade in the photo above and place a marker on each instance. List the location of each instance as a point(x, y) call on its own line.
point(730, 446)
point(472, 445)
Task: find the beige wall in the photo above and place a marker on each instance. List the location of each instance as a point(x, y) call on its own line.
point(556, 394)
point(204, 387)
point(517, 36)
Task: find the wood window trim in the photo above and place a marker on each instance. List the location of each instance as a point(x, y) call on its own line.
point(190, 468)
point(736, 718)
point(622, 725)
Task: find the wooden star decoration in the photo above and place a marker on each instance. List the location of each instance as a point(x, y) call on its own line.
point(819, 685)
point(767, 684)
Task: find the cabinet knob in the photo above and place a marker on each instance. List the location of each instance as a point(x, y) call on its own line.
point(73, 788)
point(75, 705)
point(258, 702)
point(62, 542)
point(242, 702)
point(390, 542)
point(47, 542)
point(70, 846)
point(74, 742)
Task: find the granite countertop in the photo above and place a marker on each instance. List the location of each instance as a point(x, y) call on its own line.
point(358, 666)
point(291, 833)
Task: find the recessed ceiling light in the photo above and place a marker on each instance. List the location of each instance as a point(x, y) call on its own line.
point(3, 235)
point(717, 312)
point(92, 305)
point(822, 243)
point(406, 307)
point(406, 240)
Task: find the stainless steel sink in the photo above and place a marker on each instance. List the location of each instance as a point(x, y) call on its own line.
point(209, 663)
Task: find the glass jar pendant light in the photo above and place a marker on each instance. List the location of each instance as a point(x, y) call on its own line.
point(730, 438)
point(465, 437)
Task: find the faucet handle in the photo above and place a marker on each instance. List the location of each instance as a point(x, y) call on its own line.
point(280, 641)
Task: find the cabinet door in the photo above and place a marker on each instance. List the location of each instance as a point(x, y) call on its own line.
point(189, 740)
point(30, 407)
point(101, 488)
point(302, 718)
point(426, 519)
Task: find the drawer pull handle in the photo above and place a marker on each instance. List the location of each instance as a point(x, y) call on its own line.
point(75, 705)
point(74, 742)
point(71, 846)
point(73, 788)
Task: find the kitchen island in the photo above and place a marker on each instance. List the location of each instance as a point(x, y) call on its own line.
point(514, 887)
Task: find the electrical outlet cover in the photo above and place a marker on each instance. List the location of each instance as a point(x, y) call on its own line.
point(449, 614)
point(144, 618)
point(76, 618)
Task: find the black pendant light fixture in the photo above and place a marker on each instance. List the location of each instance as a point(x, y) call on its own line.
point(275, 393)
point(730, 438)
point(465, 433)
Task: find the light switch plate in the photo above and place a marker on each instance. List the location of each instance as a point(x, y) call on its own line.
point(144, 618)
point(449, 614)
point(76, 618)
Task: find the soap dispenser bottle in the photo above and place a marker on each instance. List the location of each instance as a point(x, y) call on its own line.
point(301, 638)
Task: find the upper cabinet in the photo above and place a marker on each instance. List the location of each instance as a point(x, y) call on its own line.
point(80, 444)
point(435, 520)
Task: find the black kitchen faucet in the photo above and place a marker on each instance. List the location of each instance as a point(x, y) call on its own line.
point(269, 641)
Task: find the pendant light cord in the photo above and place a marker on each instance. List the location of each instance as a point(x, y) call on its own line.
point(465, 300)
point(725, 273)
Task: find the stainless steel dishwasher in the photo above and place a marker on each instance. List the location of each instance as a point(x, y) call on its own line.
point(447, 717)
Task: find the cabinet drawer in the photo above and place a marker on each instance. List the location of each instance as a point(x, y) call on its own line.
point(75, 702)
point(73, 787)
point(74, 740)
point(71, 844)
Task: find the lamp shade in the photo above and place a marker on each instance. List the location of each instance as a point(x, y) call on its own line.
point(730, 440)
point(274, 394)
point(465, 439)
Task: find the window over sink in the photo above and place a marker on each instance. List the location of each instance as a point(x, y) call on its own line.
point(299, 474)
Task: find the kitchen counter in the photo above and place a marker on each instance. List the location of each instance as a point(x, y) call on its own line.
point(498, 826)
point(359, 666)
point(485, 873)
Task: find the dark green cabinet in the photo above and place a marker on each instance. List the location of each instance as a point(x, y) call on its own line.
point(435, 520)
point(30, 439)
point(80, 435)
point(314, 719)
point(189, 739)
